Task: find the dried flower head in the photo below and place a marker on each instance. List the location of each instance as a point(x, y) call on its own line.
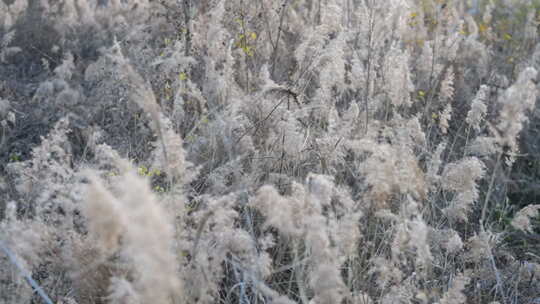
point(522, 219)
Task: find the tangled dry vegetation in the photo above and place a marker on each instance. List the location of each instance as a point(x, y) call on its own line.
point(291, 151)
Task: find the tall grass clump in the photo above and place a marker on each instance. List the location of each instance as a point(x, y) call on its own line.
point(352, 151)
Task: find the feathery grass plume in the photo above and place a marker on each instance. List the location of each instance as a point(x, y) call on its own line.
point(359, 297)
point(483, 146)
point(399, 83)
point(522, 219)
point(211, 32)
point(410, 236)
point(311, 225)
point(473, 50)
point(107, 222)
point(280, 212)
point(65, 70)
point(357, 74)
point(290, 131)
point(434, 166)
point(478, 108)
point(387, 174)
point(325, 277)
point(413, 134)
point(418, 240)
point(26, 241)
point(427, 63)
point(12, 12)
point(480, 245)
point(141, 94)
point(169, 154)
point(90, 266)
point(4, 113)
point(515, 102)
point(326, 282)
point(452, 40)
point(444, 118)
point(445, 243)
point(5, 49)
point(218, 43)
point(308, 51)
point(455, 294)
point(150, 254)
point(5, 16)
point(400, 293)
point(331, 16)
point(145, 232)
point(122, 291)
point(49, 182)
point(385, 271)
point(446, 93)
point(332, 73)
point(67, 300)
point(461, 177)
point(218, 244)
point(344, 224)
point(44, 178)
point(453, 244)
